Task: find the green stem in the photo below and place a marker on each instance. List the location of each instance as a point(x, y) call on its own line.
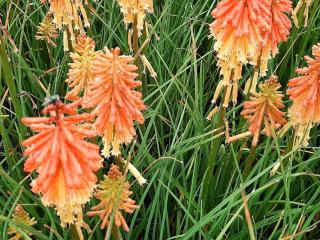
point(52, 64)
point(249, 162)
point(208, 179)
point(74, 232)
point(289, 148)
point(135, 37)
point(136, 50)
point(290, 144)
point(115, 232)
point(119, 163)
point(138, 62)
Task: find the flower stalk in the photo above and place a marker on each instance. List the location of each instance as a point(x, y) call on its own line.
point(249, 162)
point(215, 145)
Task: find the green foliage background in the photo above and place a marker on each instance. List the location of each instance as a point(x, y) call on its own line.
point(194, 179)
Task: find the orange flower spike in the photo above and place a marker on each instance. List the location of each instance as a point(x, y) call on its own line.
point(280, 25)
point(263, 109)
point(64, 160)
point(117, 104)
point(237, 29)
point(80, 72)
point(114, 195)
point(304, 90)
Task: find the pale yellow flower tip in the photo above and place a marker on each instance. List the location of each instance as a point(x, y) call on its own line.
point(147, 65)
point(135, 172)
point(134, 12)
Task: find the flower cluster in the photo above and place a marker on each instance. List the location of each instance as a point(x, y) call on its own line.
point(247, 31)
point(105, 84)
point(80, 73)
point(47, 30)
point(304, 91)
point(135, 11)
point(20, 216)
point(108, 81)
point(116, 104)
point(114, 195)
point(263, 110)
point(279, 30)
point(64, 160)
point(71, 16)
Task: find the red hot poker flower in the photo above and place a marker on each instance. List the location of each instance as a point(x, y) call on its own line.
point(69, 15)
point(80, 72)
point(305, 91)
point(237, 29)
point(47, 30)
point(64, 160)
point(263, 109)
point(114, 194)
point(135, 10)
point(280, 25)
point(117, 104)
point(20, 216)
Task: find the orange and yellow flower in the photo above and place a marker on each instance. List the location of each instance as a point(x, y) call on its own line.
point(80, 72)
point(47, 30)
point(69, 15)
point(305, 93)
point(280, 25)
point(64, 160)
point(135, 10)
point(247, 31)
point(114, 195)
point(117, 104)
point(237, 29)
point(263, 109)
point(304, 90)
point(263, 112)
point(20, 216)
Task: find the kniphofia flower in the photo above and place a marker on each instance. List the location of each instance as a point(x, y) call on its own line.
point(135, 11)
point(263, 111)
point(80, 72)
point(69, 15)
point(114, 195)
point(237, 29)
point(64, 160)
point(47, 31)
point(280, 25)
point(305, 93)
point(117, 104)
point(20, 216)
point(304, 90)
